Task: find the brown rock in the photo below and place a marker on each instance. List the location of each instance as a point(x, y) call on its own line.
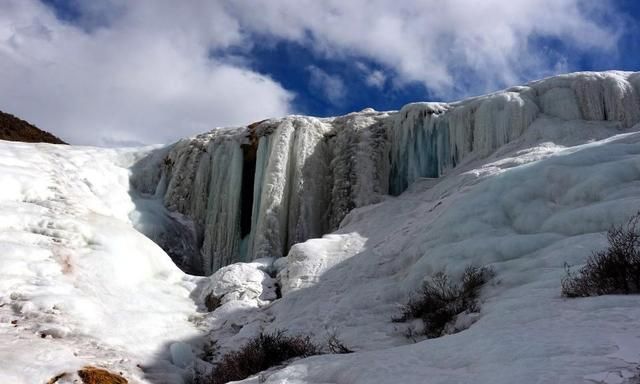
point(55, 379)
point(15, 129)
point(92, 375)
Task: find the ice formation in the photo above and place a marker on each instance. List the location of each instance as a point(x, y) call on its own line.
point(240, 281)
point(429, 138)
point(254, 192)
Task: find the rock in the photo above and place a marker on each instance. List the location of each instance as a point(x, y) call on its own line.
point(92, 375)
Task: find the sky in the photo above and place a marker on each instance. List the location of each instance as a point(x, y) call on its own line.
point(122, 73)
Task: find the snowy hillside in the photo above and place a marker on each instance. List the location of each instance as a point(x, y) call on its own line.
point(79, 284)
point(523, 181)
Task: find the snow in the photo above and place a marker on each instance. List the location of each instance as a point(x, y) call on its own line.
point(523, 180)
point(524, 219)
point(181, 354)
point(81, 284)
point(241, 281)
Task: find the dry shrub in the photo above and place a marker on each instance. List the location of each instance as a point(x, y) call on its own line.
point(440, 301)
point(336, 346)
point(615, 270)
point(259, 354)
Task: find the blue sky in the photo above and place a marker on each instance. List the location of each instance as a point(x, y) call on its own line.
point(116, 72)
point(288, 63)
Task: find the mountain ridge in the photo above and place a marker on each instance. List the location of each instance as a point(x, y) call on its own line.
point(13, 128)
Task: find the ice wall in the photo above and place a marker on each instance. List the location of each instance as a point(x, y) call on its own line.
point(292, 174)
point(304, 174)
point(255, 191)
point(428, 138)
point(202, 178)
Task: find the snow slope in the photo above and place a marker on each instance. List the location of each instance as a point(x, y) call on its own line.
point(543, 198)
point(79, 285)
point(542, 193)
point(525, 213)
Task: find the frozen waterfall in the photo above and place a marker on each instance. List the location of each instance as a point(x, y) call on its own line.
point(429, 138)
point(255, 191)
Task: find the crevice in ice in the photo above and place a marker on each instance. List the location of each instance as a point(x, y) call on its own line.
point(249, 156)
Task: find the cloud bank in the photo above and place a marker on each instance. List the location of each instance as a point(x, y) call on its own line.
point(144, 71)
point(146, 77)
point(439, 42)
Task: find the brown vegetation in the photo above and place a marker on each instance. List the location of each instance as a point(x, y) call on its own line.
point(440, 301)
point(259, 354)
point(613, 271)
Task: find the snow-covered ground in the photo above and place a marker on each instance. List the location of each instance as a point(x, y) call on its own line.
point(74, 269)
point(78, 284)
point(526, 213)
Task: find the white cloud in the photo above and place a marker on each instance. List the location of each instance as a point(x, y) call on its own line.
point(438, 42)
point(376, 79)
point(331, 86)
point(146, 77)
point(141, 71)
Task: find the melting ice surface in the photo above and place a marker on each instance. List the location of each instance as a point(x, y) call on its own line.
point(254, 192)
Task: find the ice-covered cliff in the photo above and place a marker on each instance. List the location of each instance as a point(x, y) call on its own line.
point(429, 138)
point(255, 191)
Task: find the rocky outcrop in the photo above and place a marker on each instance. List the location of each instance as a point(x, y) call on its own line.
point(15, 129)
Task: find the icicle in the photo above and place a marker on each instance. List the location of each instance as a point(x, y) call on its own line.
point(560, 102)
point(308, 182)
point(204, 176)
point(221, 244)
point(310, 173)
point(262, 157)
point(291, 178)
point(269, 236)
point(599, 96)
point(429, 138)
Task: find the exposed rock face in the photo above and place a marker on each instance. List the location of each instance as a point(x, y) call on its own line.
point(92, 375)
point(15, 129)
